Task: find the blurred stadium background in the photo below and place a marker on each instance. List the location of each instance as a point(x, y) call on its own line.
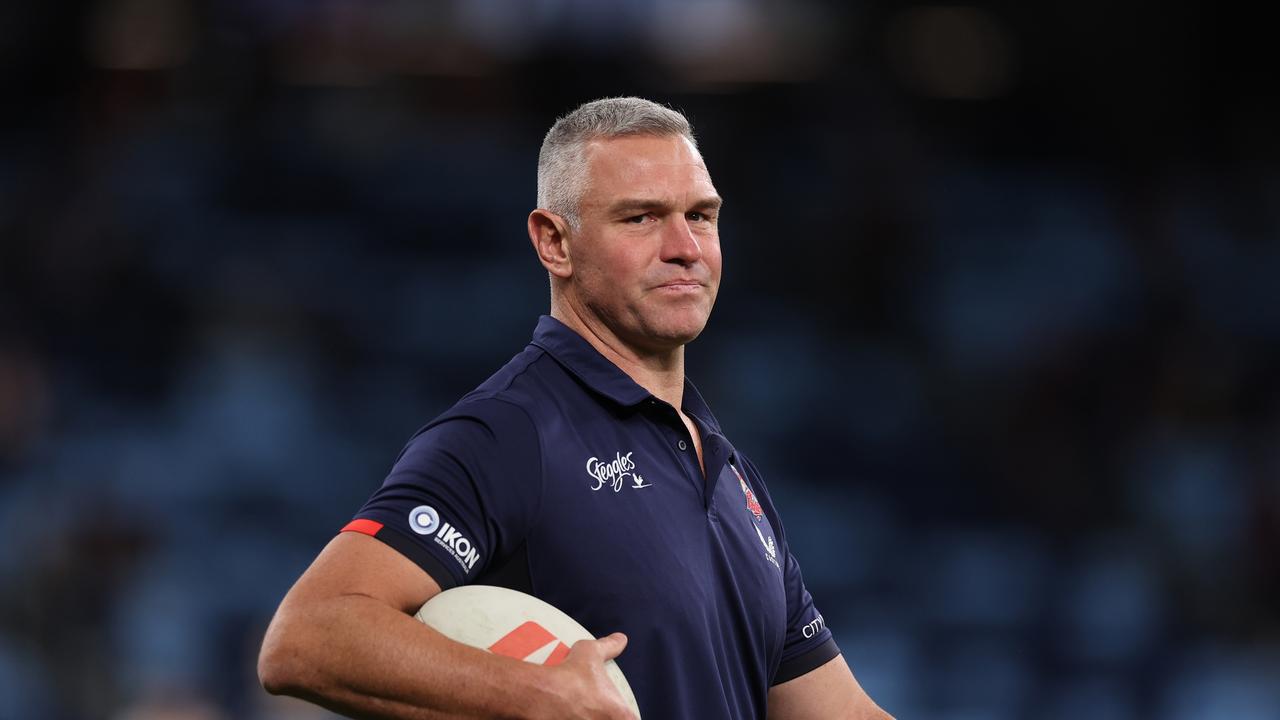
point(999, 322)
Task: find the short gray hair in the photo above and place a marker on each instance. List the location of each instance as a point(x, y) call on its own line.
point(562, 170)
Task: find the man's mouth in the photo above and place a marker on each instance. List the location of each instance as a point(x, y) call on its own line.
point(680, 285)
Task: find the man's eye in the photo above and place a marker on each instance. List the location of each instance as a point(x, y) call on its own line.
point(700, 217)
point(637, 219)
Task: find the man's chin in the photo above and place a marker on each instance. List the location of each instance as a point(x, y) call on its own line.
point(676, 334)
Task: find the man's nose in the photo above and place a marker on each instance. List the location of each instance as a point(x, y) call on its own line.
point(679, 244)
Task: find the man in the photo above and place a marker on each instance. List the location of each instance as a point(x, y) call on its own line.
point(588, 472)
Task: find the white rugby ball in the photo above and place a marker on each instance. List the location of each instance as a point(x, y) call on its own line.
point(512, 623)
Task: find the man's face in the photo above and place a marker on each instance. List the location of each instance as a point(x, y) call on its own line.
point(646, 261)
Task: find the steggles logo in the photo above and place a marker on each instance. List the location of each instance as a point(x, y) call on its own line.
point(615, 473)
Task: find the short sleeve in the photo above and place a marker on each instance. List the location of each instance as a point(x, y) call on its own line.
point(463, 493)
point(808, 643)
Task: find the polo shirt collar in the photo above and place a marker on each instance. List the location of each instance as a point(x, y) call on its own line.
point(600, 374)
point(697, 407)
point(580, 358)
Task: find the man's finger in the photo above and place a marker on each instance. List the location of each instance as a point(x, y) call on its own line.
point(611, 646)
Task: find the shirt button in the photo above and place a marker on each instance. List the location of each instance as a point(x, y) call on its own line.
point(682, 445)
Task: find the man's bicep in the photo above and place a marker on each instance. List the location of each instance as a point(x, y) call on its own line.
point(828, 692)
point(356, 564)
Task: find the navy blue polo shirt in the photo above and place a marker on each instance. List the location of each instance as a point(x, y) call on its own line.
point(562, 478)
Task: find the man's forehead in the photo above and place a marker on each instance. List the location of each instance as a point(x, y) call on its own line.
point(643, 164)
point(632, 152)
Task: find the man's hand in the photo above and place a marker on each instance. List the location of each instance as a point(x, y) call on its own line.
point(588, 692)
point(345, 638)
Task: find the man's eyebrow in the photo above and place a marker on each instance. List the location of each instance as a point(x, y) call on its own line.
point(711, 202)
point(629, 204)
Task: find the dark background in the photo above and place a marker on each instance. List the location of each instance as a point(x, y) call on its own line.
point(999, 322)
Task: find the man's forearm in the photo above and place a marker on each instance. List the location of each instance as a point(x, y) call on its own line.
point(362, 658)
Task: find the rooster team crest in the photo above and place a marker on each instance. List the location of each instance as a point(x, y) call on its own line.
point(770, 547)
point(752, 503)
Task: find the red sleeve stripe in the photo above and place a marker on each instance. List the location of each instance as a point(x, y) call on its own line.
point(362, 525)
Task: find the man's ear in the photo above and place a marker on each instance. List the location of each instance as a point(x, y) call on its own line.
point(549, 234)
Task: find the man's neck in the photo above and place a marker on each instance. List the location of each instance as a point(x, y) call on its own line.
point(660, 373)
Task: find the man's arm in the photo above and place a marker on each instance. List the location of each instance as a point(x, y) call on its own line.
point(829, 692)
point(344, 637)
